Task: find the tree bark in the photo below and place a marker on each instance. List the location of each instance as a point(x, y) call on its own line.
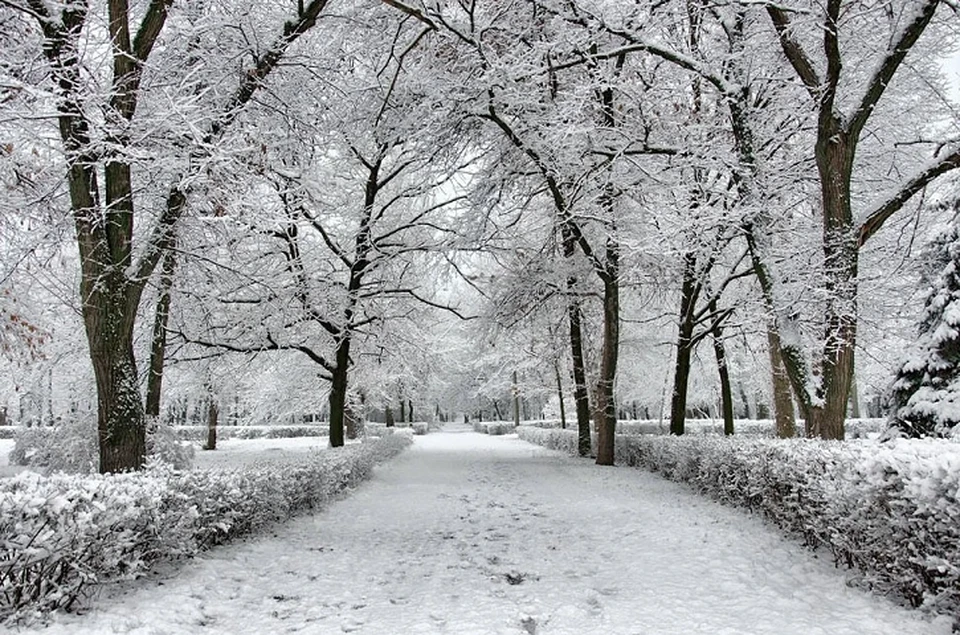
point(120, 418)
point(689, 292)
point(563, 408)
point(580, 392)
point(726, 394)
point(607, 406)
point(338, 390)
point(786, 425)
point(834, 157)
point(213, 418)
point(158, 347)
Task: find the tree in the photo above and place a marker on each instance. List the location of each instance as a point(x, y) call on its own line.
point(116, 260)
point(843, 113)
point(924, 394)
point(339, 203)
point(843, 102)
point(571, 125)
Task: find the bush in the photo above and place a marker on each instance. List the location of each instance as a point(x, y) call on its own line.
point(494, 428)
point(199, 433)
point(420, 427)
point(374, 429)
point(68, 447)
point(889, 510)
point(72, 447)
point(762, 428)
point(62, 535)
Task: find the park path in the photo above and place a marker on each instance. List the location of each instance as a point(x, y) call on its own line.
point(469, 534)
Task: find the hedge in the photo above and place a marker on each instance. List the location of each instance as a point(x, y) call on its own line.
point(494, 428)
point(63, 535)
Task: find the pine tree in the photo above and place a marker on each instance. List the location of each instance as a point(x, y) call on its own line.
point(925, 396)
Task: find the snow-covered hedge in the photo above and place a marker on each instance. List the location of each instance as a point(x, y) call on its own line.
point(855, 428)
point(72, 447)
point(62, 535)
point(494, 428)
point(199, 433)
point(890, 510)
point(418, 427)
point(373, 429)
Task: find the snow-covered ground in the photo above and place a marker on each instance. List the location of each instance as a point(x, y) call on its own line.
point(235, 452)
point(466, 533)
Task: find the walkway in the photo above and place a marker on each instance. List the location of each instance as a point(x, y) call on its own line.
point(467, 534)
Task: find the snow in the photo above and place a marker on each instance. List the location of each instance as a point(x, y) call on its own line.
point(6, 446)
point(235, 452)
point(466, 533)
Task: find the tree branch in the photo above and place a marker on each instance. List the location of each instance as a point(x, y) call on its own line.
point(414, 13)
point(891, 62)
point(875, 219)
point(794, 52)
point(269, 345)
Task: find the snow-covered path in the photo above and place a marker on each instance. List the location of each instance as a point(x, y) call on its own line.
point(465, 533)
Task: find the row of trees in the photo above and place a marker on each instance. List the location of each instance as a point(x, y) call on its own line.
point(333, 182)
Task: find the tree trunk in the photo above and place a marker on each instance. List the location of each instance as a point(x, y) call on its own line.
point(574, 318)
point(786, 424)
point(213, 417)
point(726, 394)
point(388, 417)
point(120, 418)
point(516, 400)
point(410, 410)
point(338, 390)
point(607, 408)
point(681, 373)
point(158, 346)
point(563, 409)
point(580, 394)
point(834, 155)
point(403, 410)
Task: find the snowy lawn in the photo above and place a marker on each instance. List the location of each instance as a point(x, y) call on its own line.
point(237, 452)
point(466, 533)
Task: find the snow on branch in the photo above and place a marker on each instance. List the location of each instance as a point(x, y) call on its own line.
point(794, 52)
point(901, 45)
point(875, 219)
point(414, 13)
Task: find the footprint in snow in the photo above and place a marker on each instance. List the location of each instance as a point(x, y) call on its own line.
point(351, 624)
